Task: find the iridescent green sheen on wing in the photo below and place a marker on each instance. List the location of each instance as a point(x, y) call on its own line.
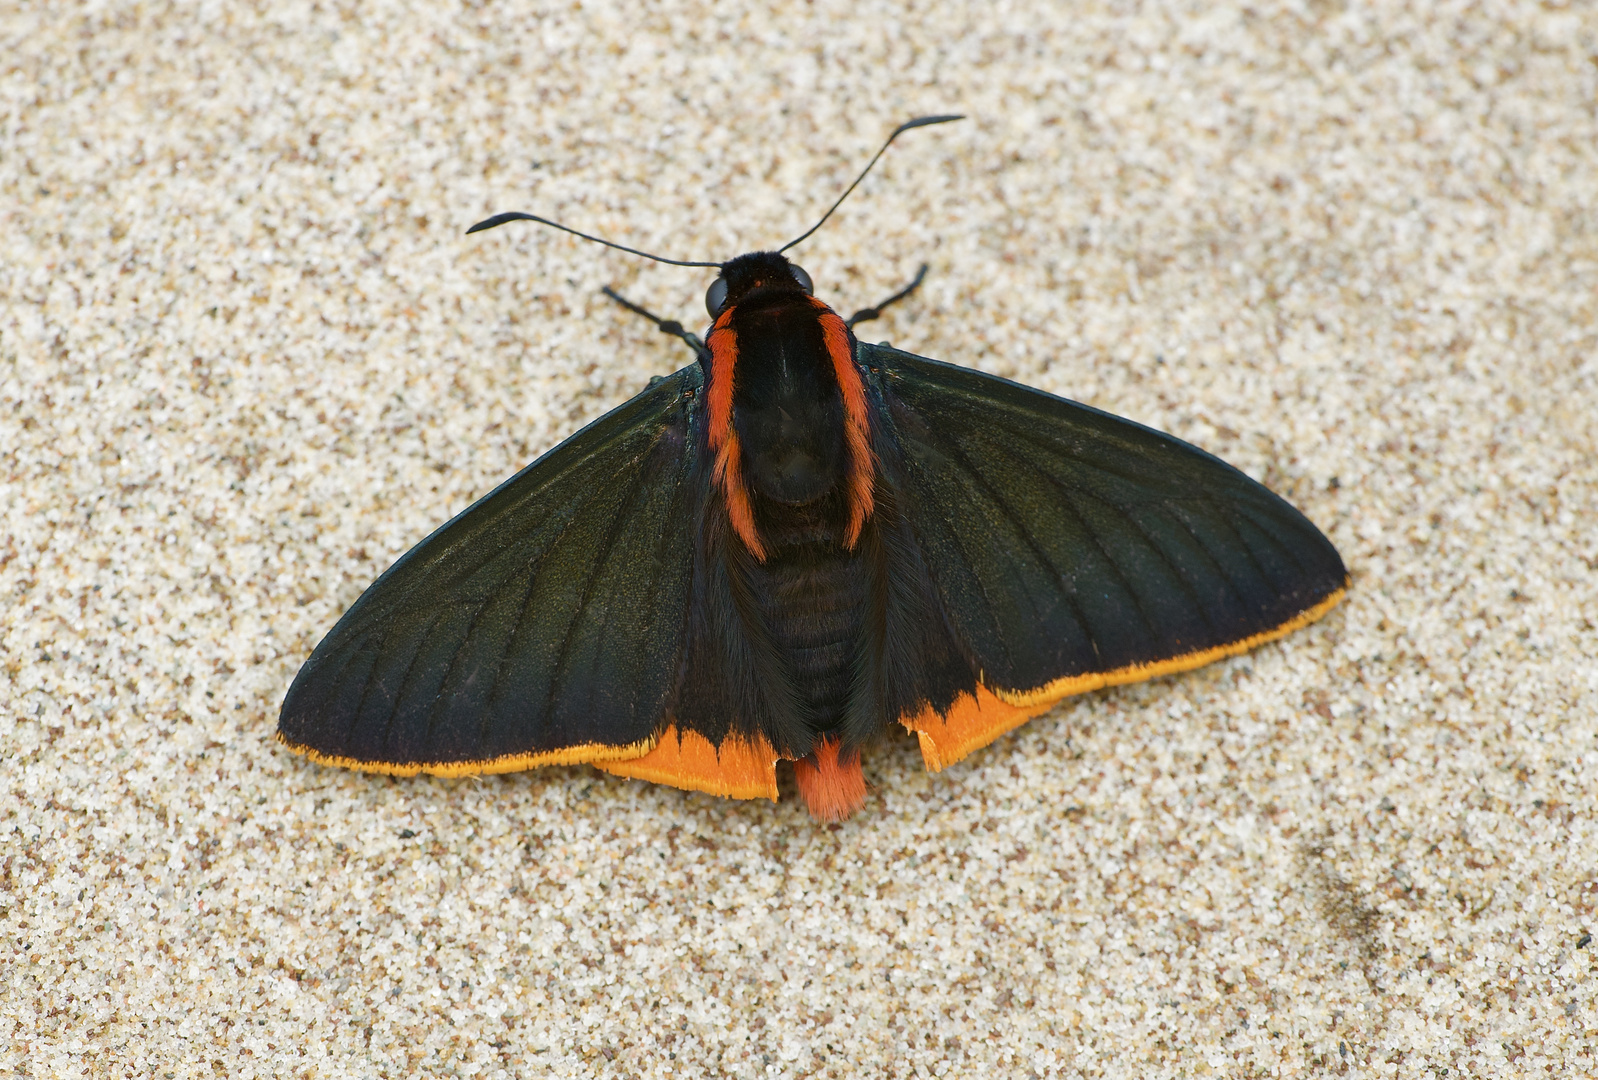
point(1066, 541)
point(547, 616)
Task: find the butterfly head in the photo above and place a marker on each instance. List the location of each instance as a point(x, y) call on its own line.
point(753, 276)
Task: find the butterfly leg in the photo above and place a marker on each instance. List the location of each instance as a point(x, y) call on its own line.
point(671, 326)
point(867, 314)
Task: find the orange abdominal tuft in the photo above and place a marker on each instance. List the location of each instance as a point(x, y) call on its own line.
point(832, 784)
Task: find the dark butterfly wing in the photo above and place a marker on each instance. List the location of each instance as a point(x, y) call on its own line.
point(542, 625)
point(1074, 549)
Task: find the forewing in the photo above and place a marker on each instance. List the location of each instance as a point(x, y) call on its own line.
point(542, 625)
point(1075, 549)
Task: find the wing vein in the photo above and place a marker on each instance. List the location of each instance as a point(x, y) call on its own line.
point(1022, 434)
point(1186, 584)
point(506, 650)
point(1176, 571)
point(1285, 548)
point(1071, 504)
point(562, 655)
point(1248, 552)
point(1220, 568)
point(533, 566)
point(399, 688)
point(355, 717)
point(1070, 496)
point(1020, 527)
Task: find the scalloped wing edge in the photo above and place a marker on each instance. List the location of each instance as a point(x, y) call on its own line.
point(973, 722)
point(739, 768)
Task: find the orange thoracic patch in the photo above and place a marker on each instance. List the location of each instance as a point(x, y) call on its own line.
point(739, 768)
point(727, 472)
point(863, 467)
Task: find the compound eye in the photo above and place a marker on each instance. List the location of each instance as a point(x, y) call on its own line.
point(802, 278)
point(716, 297)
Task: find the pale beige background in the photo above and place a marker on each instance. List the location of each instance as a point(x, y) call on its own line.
point(247, 358)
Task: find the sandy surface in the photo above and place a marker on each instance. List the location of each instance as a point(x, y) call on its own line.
point(247, 358)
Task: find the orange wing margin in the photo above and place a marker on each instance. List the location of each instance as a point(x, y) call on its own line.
point(587, 753)
point(972, 722)
point(738, 769)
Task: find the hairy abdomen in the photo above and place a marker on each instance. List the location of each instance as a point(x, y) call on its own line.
point(813, 599)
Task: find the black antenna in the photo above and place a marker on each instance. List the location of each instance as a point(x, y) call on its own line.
point(920, 121)
point(500, 219)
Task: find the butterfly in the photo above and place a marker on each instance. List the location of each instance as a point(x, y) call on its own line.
point(788, 549)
